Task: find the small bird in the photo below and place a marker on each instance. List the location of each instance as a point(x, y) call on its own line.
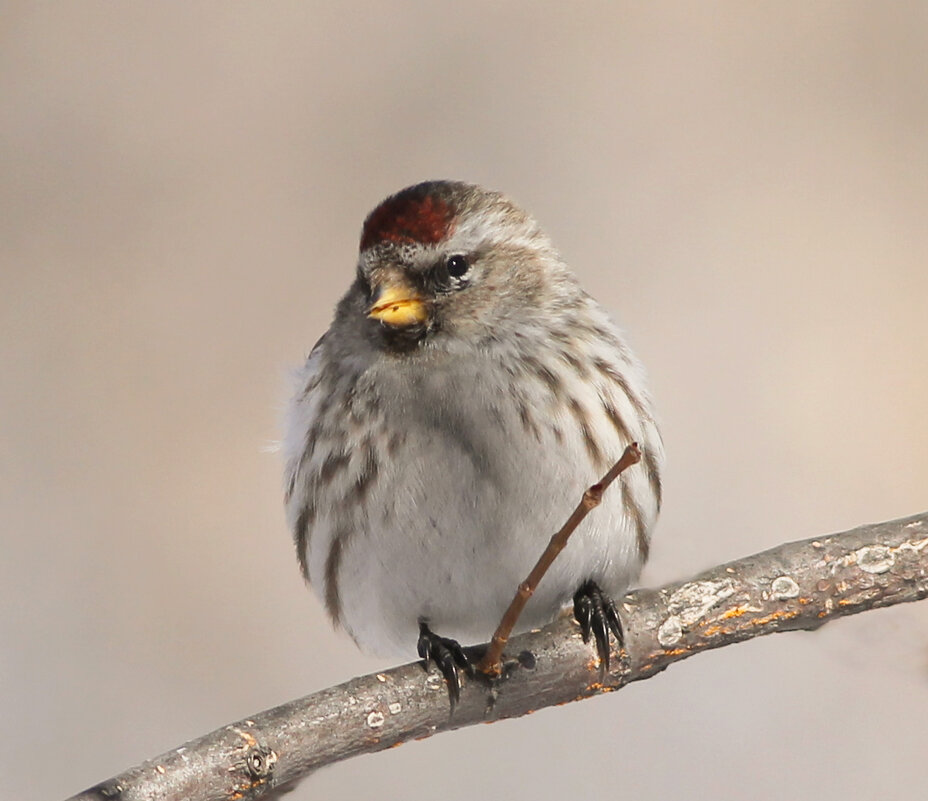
point(465, 395)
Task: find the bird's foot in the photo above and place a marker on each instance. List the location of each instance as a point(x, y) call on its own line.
point(449, 657)
point(596, 613)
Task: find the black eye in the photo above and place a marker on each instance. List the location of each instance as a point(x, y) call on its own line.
point(457, 266)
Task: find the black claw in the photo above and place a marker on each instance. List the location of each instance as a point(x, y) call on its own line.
point(615, 622)
point(601, 632)
point(597, 615)
point(583, 611)
point(448, 656)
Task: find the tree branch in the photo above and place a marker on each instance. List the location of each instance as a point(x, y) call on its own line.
point(800, 585)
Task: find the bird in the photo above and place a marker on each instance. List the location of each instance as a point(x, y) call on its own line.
point(466, 393)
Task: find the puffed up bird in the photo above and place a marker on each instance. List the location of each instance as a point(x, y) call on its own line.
point(465, 395)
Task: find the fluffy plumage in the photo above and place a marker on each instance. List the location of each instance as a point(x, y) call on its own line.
point(466, 393)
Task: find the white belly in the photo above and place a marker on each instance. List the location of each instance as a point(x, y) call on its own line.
point(462, 507)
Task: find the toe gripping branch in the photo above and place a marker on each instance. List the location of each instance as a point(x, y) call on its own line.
point(448, 656)
point(596, 613)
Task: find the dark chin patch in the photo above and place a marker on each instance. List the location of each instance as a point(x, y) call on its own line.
point(402, 340)
point(415, 215)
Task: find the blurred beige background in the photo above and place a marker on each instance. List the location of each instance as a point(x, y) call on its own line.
point(181, 189)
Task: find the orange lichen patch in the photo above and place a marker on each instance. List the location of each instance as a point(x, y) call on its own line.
point(738, 611)
point(247, 789)
point(778, 615)
point(242, 789)
point(846, 602)
point(757, 621)
point(597, 687)
point(676, 651)
point(804, 601)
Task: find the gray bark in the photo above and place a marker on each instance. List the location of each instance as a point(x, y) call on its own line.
point(800, 585)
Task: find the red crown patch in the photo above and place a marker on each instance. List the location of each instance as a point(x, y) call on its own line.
point(410, 216)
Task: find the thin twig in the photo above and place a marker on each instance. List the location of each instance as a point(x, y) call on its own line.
point(800, 585)
point(490, 664)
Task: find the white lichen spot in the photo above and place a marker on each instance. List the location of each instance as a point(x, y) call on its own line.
point(395, 708)
point(434, 682)
point(160, 769)
point(784, 587)
point(693, 600)
point(381, 677)
point(913, 546)
point(670, 632)
point(352, 700)
point(375, 719)
point(875, 558)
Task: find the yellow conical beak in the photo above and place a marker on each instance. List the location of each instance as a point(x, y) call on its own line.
point(397, 304)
